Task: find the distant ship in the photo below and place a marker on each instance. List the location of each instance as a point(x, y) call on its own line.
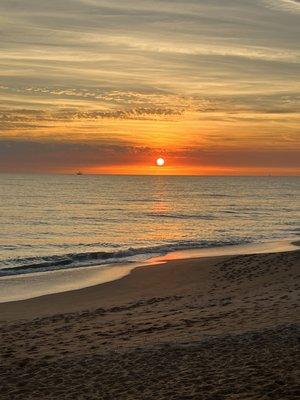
point(79, 173)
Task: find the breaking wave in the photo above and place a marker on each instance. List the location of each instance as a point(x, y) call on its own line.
point(86, 259)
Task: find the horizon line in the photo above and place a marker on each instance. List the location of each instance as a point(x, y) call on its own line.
point(150, 175)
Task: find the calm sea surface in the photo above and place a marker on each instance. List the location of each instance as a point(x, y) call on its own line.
point(51, 221)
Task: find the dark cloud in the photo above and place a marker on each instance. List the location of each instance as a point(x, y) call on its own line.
point(243, 157)
point(46, 156)
point(28, 156)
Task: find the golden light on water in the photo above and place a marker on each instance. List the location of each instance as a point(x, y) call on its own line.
point(160, 162)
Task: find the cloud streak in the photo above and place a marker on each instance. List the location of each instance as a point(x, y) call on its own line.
point(15, 155)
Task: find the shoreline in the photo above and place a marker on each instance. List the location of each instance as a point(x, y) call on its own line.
point(129, 286)
point(28, 286)
point(108, 294)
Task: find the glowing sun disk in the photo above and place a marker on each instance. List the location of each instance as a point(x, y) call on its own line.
point(160, 162)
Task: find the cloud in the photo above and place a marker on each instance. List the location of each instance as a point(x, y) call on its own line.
point(135, 42)
point(243, 157)
point(44, 156)
point(39, 156)
point(285, 5)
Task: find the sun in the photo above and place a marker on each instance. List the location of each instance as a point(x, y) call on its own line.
point(160, 162)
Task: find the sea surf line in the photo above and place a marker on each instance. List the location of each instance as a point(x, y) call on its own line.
point(22, 287)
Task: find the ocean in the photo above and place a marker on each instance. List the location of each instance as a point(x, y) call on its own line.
point(50, 222)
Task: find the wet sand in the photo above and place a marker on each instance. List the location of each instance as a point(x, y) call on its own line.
point(211, 328)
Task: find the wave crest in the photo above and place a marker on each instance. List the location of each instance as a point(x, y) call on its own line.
point(76, 260)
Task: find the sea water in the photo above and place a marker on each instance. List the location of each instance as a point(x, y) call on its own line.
point(50, 222)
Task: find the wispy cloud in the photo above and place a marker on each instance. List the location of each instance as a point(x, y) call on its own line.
point(285, 5)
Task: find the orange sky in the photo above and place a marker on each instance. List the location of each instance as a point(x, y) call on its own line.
point(108, 86)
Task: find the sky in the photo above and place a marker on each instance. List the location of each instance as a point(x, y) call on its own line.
point(107, 86)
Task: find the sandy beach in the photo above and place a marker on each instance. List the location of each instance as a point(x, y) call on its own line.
point(211, 328)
